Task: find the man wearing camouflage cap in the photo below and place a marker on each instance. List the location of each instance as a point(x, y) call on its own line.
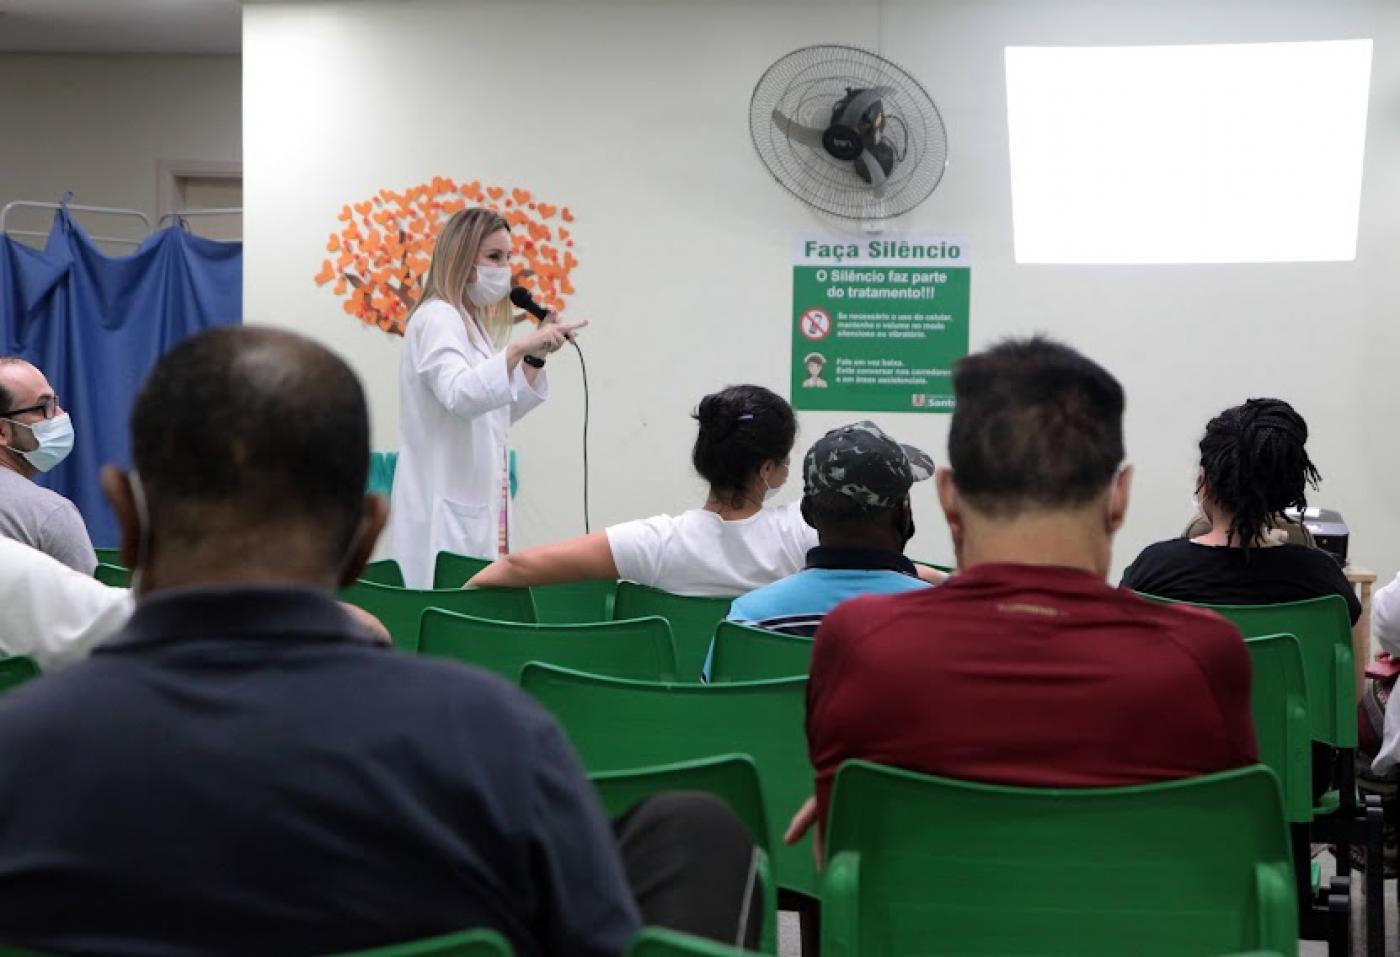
point(856, 482)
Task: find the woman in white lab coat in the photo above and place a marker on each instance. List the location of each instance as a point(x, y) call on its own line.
point(460, 388)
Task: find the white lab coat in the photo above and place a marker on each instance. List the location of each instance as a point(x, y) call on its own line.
point(1385, 629)
point(456, 406)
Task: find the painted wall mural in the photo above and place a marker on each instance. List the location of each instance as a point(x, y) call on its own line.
point(381, 252)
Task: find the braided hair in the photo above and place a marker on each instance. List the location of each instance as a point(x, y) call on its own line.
point(741, 427)
point(1254, 466)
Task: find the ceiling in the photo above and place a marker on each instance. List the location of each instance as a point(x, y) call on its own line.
point(120, 26)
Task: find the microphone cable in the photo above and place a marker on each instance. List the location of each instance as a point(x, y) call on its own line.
point(520, 296)
point(583, 367)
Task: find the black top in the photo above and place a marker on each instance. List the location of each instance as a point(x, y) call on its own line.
point(859, 557)
point(242, 771)
point(1184, 571)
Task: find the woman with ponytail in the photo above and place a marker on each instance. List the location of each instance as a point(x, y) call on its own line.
point(1253, 467)
point(729, 546)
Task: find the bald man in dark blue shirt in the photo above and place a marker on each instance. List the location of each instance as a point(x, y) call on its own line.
point(244, 769)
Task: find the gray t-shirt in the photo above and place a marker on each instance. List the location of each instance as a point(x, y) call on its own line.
point(44, 520)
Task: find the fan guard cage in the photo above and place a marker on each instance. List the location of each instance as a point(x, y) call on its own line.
point(804, 86)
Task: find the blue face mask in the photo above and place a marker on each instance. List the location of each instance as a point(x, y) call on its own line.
point(55, 438)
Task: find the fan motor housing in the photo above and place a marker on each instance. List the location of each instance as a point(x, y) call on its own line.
point(842, 142)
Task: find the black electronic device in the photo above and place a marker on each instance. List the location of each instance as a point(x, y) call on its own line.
point(1328, 529)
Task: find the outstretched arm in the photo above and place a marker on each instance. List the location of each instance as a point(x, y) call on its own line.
point(575, 559)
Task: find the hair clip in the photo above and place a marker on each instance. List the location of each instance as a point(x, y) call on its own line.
point(746, 417)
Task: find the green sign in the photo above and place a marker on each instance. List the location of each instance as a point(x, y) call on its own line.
point(878, 323)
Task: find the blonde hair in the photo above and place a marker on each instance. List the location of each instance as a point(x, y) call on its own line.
point(454, 257)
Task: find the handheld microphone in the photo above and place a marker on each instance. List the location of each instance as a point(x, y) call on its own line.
point(521, 298)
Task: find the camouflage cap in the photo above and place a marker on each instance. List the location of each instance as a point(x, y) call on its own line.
point(863, 463)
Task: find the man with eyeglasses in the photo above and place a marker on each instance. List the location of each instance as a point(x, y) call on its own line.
point(35, 435)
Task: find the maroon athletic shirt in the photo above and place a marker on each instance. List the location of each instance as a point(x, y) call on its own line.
point(1030, 675)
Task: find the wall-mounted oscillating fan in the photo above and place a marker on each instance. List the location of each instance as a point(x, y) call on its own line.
point(848, 132)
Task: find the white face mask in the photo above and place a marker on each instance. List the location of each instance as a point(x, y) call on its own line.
point(491, 286)
point(55, 438)
point(143, 531)
point(770, 491)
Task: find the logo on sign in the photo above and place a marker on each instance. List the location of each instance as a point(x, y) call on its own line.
point(815, 324)
point(918, 400)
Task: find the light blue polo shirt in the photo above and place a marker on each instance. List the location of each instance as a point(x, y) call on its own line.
point(797, 604)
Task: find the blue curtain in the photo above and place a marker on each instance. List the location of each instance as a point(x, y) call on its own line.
point(96, 324)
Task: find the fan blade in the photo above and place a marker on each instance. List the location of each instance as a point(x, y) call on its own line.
point(798, 133)
point(877, 173)
point(851, 115)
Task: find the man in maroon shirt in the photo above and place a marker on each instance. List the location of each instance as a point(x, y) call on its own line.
point(1027, 667)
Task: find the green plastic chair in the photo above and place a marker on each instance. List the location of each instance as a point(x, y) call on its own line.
point(693, 620)
point(451, 570)
point(386, 571)
point(1279, 701)
point(733, 778)
point(745, 653)
point(575, 602)
point(945, 569)
point(927, 865)
point(566, 603)
point(15, 671)
point(109, 556)
point(114, 575)
point(1323, 629)
point(401, 609)
point(659, 942)
point(639, 649)
point(618, 725)
point(469, 943)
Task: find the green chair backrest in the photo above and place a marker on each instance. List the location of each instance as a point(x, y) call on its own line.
point(109, 556)
point(567, 603)
point(659, 942)
point(386, 571)
point(733, 778)
point(401, 609)
point(945, 569)
point(927, 865)
point(451, 570)
point(693, 620)
point(1323, 629)
point(468, 943)
point(575, 602)
point(114, 575)
point(744, 653)
point(15, 671)
point(639, 649)
point(1279, 700)
point(620, 725)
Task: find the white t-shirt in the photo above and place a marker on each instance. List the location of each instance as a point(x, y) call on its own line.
point(52, 613)
point(699, 553)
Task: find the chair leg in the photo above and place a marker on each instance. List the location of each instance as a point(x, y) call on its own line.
point(1347, 811)
point(1339, 918)
point(809, 924)
point(1374, 823)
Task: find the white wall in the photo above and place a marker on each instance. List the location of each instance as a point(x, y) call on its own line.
point(99, 125)
point(635, 114)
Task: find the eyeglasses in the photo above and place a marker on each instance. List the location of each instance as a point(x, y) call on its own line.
point(49, 407)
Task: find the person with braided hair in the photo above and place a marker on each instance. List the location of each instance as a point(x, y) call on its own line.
point(1254, 465)
point(731, 545)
